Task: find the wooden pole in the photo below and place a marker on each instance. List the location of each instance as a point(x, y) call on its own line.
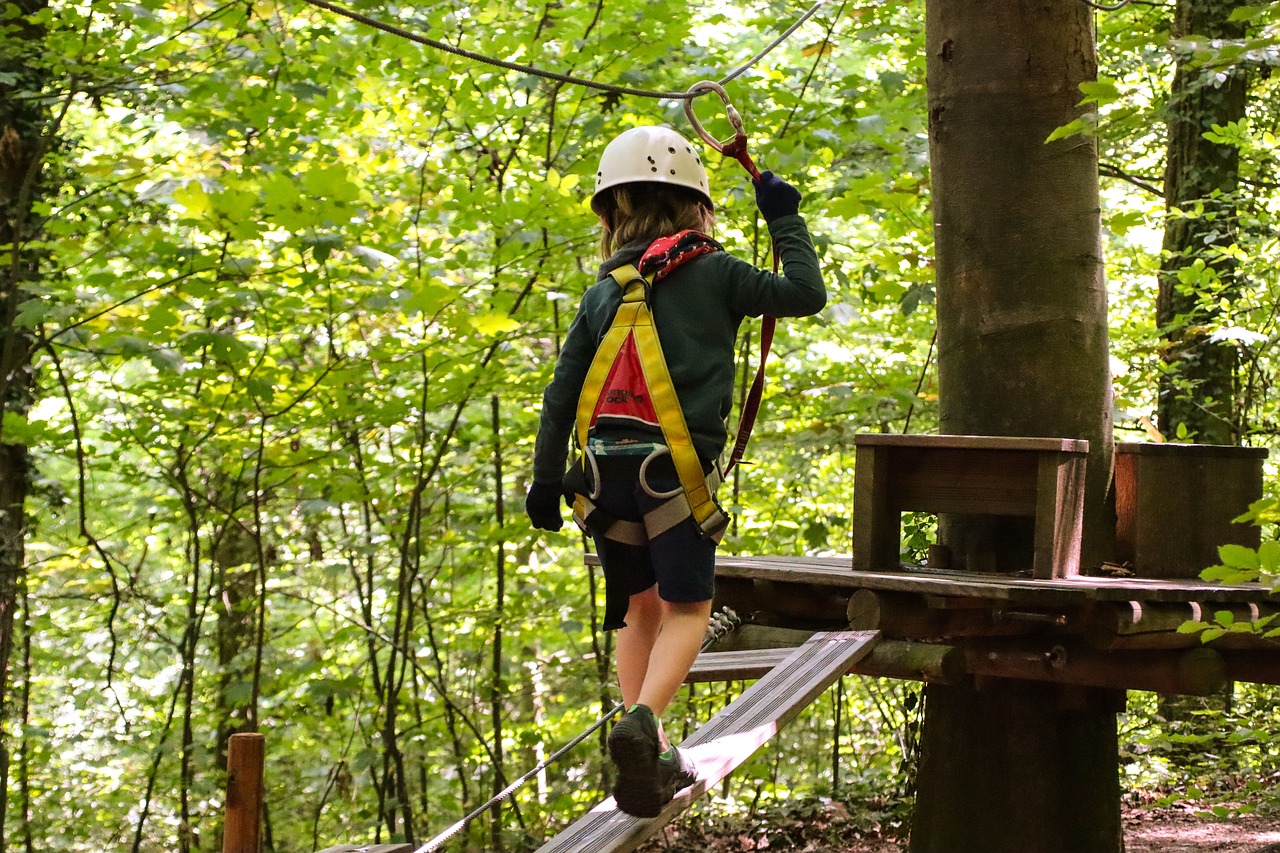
point(244, 793)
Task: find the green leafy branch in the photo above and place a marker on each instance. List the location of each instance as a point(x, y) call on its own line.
point(1241, 564)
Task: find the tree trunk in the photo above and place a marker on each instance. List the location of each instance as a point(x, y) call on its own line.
point(24, 123)
point(235, 555)
point(1022, 343)
point(1198, 390)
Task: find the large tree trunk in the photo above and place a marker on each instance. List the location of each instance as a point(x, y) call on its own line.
point(1198, 390)
point(24, 124)
point(1022, 343)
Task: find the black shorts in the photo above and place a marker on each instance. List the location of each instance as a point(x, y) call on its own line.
point(681, 561)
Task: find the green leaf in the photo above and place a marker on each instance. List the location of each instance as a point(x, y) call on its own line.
point(193, 197)
point(1247, 13)
point(19, 430)
point(493, 324)
point(330, 182)
point(1099, 91)
point(1269, 557)
point(1238, 557)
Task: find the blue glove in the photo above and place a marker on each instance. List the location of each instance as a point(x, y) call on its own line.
point(775, 197)
point(542, 505)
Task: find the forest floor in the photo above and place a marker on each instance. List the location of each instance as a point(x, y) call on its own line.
point(1183, 828)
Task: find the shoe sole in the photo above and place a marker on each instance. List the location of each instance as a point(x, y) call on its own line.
point(639, 791)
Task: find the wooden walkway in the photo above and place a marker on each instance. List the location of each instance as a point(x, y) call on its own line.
point(728, 739)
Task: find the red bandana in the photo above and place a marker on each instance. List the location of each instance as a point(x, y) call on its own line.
point(665, 254)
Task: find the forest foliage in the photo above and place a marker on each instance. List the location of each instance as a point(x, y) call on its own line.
point(301, 283)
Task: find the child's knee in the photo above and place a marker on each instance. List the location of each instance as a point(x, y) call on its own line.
point(688, 608)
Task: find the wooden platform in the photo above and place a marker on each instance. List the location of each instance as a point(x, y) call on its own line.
point(838, 572)
point(727, 739)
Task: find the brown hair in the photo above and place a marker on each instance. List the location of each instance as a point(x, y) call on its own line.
point(649, 210)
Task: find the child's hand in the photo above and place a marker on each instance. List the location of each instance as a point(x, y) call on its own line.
point(542, 505)
point(775, 197)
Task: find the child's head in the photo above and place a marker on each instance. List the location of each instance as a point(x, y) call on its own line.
point(650, 183)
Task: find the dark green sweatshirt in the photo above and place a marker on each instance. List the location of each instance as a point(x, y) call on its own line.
point(697, 310)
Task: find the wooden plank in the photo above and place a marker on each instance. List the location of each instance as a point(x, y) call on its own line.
point(727, 739)
point(979, 442)
point(369, 848)
point(1059, 516)
point(836, 571)
point(979, 482)
point(741, 665)
point(876, 525)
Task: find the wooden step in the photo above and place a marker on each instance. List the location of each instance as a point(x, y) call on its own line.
point(728, 739)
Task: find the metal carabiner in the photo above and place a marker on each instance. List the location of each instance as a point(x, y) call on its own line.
point(735, 148)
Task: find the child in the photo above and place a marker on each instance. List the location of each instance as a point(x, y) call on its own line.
point(655, 213)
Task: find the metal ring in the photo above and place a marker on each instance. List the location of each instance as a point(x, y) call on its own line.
point(644, 483)
point(701, 88)
point(590, 459)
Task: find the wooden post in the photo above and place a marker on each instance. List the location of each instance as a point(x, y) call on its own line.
point(244, 793)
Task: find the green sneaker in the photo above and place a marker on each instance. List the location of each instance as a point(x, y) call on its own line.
point(678, 767)
point(642, 788)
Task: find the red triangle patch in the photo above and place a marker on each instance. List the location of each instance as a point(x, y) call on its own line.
point(625, 393)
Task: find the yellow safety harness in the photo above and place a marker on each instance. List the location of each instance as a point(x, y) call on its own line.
point(696, 495)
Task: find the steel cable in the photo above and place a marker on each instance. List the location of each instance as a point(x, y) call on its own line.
point(721, 625)
point(417, 38)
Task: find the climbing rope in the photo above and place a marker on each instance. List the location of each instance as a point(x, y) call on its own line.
point(721, 625)
point(417, 38)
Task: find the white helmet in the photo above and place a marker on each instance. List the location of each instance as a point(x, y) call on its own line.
point(657, 154)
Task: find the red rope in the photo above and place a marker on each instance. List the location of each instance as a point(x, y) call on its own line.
point(737, 149)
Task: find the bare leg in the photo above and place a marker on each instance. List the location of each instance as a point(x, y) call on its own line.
point(636, 641)
point(674, 651)
point(656, 650)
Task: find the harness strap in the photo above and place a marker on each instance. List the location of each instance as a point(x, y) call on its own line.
point(656, 521)
point(634, 320)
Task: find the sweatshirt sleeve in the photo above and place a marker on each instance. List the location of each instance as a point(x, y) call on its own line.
point(798, 291)
point(560, 400)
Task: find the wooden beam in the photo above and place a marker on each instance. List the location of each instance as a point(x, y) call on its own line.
point(1257, 667)
point(914, 661)
point(889, 659)
point(1154, 625)
point(912, 617)
point(1200, 671)
point(801, 601)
